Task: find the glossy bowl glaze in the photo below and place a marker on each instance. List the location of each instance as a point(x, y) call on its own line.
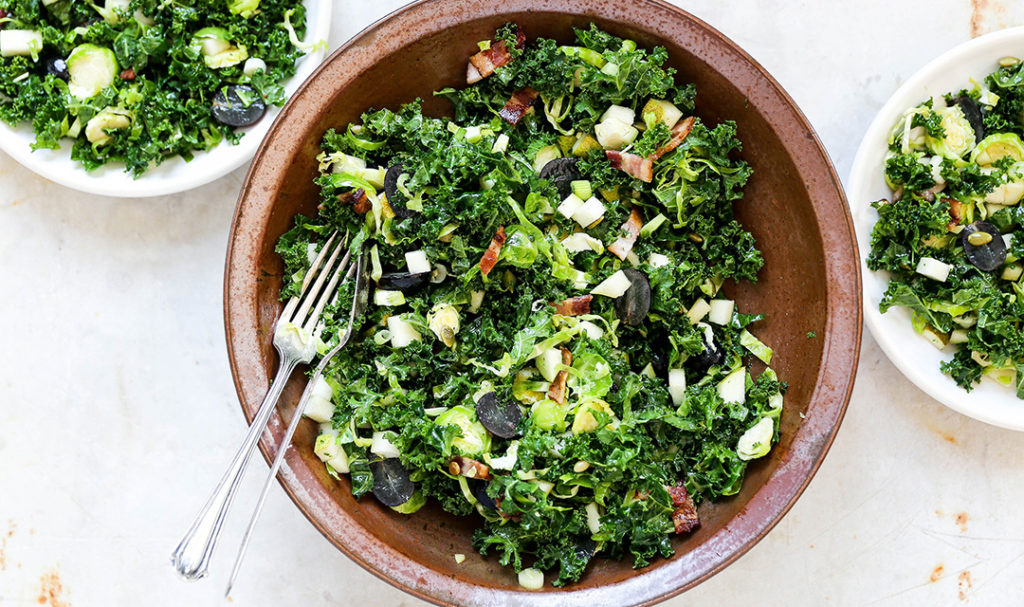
point(794, 205)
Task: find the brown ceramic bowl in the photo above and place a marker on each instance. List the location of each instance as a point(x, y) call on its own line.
point(794, 205)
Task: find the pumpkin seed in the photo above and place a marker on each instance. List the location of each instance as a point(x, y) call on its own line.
point(979, 238)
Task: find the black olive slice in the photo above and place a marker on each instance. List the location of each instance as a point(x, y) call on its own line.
point(479, 489)
point(987, 250)
point(661, 352)
point(712, 355)
point(659, 362)
point(391, 482)
point(58, 67)
point(499, 418)
point(973, 115)
point(395, 197)
point(404, 281)
point(561, 172)
point(585, 547)
point(238, 105)
point(633, 305)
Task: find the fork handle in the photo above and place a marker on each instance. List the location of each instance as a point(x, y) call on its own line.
point(286, 442)
point(192, 557)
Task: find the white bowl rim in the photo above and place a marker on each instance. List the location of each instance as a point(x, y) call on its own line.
point(988, 402)
point(174, 175)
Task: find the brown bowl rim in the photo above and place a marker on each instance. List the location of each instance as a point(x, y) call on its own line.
point(634, 590)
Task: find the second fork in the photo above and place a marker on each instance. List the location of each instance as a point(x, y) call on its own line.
point(296, 344)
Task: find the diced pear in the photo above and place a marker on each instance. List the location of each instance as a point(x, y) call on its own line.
point(933, 268)
point(662, 110)
point(615, 134)
point(620, 113)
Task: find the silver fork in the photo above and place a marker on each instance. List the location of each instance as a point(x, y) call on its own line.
point(359, 303)
point(295, 344)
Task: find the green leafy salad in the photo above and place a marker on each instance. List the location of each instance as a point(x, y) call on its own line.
point(547, 346)
point(139, 81)
point(952, 237)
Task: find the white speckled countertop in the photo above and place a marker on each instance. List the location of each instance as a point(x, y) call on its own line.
point(117, 411)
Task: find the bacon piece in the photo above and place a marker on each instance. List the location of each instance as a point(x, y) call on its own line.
point(643, 168)
point(621, 247)
point(128, 74)
point(574, 306)
point(632, 164)
point(955, 212)
point(520, 103)
point(557, 390)
point(360, 201)
point(684, 517)
point(483, 64)
point(470, 468)
point(491, 254)
point(679, 133)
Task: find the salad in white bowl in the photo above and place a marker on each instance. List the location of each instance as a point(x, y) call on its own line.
point(143, 98)
point(936, 190)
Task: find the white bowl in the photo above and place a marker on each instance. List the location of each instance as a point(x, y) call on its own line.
point(911, 353)
point(174, 174)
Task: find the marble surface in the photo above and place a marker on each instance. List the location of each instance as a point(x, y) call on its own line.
point(117, 411)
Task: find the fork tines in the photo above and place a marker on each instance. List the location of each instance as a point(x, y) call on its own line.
point(326, 268)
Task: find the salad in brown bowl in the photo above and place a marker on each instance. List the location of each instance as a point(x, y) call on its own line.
point(562, 359)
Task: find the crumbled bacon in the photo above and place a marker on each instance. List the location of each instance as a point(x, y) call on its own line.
point(574, 306)
point(684, 517)
point(520, 103)
point(128, 74)
point(635, 166)
point(643, 168)
point(491, 254)
point(470, 468)
point(483, 64)
point(621, 247)
point(679, 133)
point(955, 212)
point(359, 200)
point(557, 390)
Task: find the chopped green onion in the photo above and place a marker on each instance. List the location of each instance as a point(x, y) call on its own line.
point(352, 136)
point(588, 56)
point(756, 347)
point(582, 189)
point(652, 225)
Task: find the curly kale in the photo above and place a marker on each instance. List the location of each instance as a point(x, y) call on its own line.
point(538, 510)
point(905, 170)
point(980, 313)
point(931, 122)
